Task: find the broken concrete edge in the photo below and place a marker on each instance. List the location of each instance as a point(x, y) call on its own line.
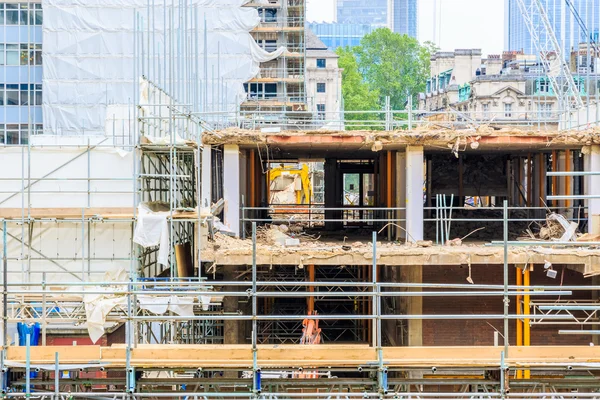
point(423, 136)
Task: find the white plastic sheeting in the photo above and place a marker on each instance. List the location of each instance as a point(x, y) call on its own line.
point(151, 230)
point(102, 300)
point(57, 249)
point(90, 57)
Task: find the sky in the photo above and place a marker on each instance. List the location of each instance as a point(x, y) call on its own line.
point(460, 23)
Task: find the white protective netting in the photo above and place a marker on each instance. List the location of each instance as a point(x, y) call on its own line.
point(90, 56)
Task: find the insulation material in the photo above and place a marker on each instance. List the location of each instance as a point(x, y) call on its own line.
point(89, 56)
point(152, 230)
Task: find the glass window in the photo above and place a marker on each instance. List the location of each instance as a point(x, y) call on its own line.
point(12, 14)
point(24, 97)
point(321, 63)
point(2, 134)
point(486, 110)
point(320, 87)
point(507, 110)
point(270, 90)
point(12, 54)
point(35, 14)
point(12, 134)
point(38, 98)
point(321, 111)
point(1, 54)
point(24, 15)
point(12, 95)
point(268, 14)
point(545, 110)
point(24, 54)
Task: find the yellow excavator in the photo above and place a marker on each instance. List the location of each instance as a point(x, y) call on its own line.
point(303, 191)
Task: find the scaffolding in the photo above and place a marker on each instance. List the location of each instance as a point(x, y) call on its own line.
point(172, 323)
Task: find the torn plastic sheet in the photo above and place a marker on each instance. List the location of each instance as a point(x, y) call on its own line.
point(152, 230)
point(182, 306)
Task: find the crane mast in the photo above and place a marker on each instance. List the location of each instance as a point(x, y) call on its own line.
point(555, 66)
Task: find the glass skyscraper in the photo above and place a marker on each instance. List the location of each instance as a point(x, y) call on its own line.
point(404, 17)
point(398, 15)
point(567, 29)
point(372, 12)
point(340, 35)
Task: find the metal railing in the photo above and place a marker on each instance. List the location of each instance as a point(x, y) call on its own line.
point(376, 120)
point(317, 216)
point(442, 223)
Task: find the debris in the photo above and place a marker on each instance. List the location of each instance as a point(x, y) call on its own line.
point(557, 227)
point(346, 247)
point(589, 237)
point(296, 228)
point(292, 242)
point(223, 229)
point(424, 243)
point(454, 242)
point(217, 207)
point(569, 228)
point(377, 146)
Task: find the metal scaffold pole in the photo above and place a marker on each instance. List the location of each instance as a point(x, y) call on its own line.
point(506, 299)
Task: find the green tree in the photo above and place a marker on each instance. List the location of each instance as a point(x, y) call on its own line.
point(395, 65)
point(355, 91)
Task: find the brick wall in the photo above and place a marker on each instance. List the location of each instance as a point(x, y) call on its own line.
point(480, 333)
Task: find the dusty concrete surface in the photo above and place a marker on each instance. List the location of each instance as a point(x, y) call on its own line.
point(229, 251)
point(433, 137)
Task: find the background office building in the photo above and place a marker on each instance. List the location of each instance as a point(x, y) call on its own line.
point(567, 30)
point(403, 17)
point(20, 71)
point(373, 12)
point(398, 15)
point(340, 35)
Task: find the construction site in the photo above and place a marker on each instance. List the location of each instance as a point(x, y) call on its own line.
point(186, 228)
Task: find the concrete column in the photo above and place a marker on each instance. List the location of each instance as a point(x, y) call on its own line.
point(231, 187)
point(206, 175)
point(594, 189)
point(414, 192)
point(413, 305)
point(401, 191)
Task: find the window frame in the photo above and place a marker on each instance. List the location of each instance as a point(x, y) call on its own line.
point(508, 110)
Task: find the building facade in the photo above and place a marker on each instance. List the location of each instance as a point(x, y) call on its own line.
point(398, 15)
point(20, 71)
point(374, 12)
point(566, 28)
point(403, 17)
point(323, 82)
point(508, 87)
point(280, 84)
point(335, 35)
